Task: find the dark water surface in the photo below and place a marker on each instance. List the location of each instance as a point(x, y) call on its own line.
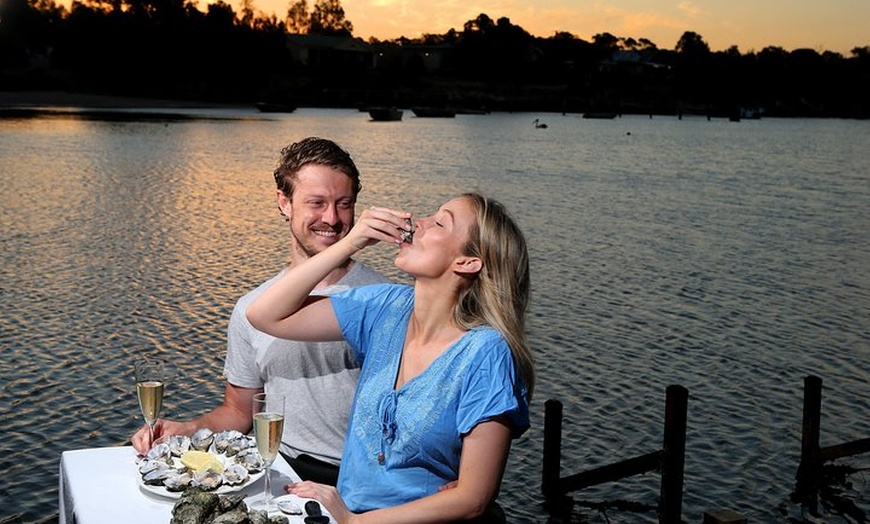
point(730, 258)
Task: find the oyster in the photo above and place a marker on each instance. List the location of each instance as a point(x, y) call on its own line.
point(178, 480)
point(234, 516)
point(259, 517)
point(238, 445)
point(198, 506)
point(235, 474)
point(201, 439)
point(231, 501)
point(223, 439)
point(262, 517)
point(194, 507)
point(155, 477)
point(159, 452)
point(208, 480)
point(250, 458)
point(408, 235)
point(147, 466)
point(288, 506)
point(178, 444)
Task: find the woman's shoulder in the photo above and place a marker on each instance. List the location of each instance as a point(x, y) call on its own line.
point(487, 333)
point(489, 343)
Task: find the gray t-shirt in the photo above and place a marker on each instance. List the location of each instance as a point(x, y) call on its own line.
point(318, 379)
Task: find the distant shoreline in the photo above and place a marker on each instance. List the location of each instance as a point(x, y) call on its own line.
point(30, 99)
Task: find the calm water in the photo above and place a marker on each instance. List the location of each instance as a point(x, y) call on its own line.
point(730, 258)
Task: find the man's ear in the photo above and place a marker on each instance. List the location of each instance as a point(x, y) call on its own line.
point(283, 202)
point(467, 265)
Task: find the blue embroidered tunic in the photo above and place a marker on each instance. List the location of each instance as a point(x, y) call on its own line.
point(403, 444)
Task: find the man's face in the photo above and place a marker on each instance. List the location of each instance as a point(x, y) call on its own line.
point(321, 211)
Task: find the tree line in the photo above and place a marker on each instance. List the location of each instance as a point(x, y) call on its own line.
point(172, 49)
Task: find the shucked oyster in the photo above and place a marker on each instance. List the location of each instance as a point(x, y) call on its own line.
point(178, 480)
point(178, 444)
point(159, 452)
point(208, 480)
point(202, 439)
point(408, 235)
point(223, 439)
point(235, 474)
point(240, 444)
point(146, 465)
point(250, 458)
point(156, 476)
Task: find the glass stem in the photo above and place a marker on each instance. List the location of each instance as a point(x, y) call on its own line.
point(267, 488)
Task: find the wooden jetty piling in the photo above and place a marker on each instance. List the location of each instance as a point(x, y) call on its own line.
point(813, 456)
point(669, 460)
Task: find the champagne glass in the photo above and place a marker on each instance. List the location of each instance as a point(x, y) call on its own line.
point(268, 429)
point(149, 387)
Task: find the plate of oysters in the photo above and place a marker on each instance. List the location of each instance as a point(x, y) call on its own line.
point(222, 462)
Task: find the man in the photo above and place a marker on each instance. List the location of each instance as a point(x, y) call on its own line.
point(317, 187)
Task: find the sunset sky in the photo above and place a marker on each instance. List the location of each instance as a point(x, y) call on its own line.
point(751, 25)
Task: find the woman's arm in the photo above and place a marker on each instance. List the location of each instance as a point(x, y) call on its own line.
point(484, 455)
point(285, 309)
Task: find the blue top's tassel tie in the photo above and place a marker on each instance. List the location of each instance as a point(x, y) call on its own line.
point(388, 424)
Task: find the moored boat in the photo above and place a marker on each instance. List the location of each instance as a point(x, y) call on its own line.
point(275, 107)
point(385, 114)
point(601, 115)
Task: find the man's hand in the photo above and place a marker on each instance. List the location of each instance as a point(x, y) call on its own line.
point(141, 440)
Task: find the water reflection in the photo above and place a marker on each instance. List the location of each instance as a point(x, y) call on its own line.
point(728, 258)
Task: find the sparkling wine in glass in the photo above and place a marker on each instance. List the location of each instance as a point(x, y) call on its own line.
point(150, 381)
point(268, 428)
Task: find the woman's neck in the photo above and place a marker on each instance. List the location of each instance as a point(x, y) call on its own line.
point(432, 317)
point(431, 331)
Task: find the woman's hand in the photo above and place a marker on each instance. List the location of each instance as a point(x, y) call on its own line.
point(379, 224)
point(327, 495)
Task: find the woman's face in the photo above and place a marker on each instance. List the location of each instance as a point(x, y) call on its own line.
point(438, 240)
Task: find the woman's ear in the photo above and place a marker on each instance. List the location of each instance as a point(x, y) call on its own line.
point(467, 265)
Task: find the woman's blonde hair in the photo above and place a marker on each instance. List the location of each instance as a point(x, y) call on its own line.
point(499, 294)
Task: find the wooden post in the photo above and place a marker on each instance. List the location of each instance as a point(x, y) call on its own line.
point(552, 451)
point(811, 424)
point(673, 455)
point(810, 465)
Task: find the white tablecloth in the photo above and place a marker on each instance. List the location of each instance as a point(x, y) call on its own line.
point(100, 486)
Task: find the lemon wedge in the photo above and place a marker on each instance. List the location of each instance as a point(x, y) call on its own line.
point(201, 461)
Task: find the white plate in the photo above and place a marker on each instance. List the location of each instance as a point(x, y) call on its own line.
point(163, 492)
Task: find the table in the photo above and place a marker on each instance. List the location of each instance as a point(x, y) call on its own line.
point(100, 486)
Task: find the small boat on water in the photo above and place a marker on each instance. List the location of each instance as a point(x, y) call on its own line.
point(433, 112)
point(385, 114)
point(601, 115)
point(275, 107)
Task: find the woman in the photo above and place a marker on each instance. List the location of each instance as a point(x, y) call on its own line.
point(446, 373)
